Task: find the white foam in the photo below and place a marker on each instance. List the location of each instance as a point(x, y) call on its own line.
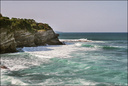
point(68, 81)
point(75, 40)
point(17, 82)
point(87, 82)
point(19, 63)
point(78, 44)
point(50, 51)
point(34, 56)
point(5, 71)
point(5, 80)
point(18, 67)
point(87, 68)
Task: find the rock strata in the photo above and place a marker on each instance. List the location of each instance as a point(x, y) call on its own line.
point(46, 37)
point(17, 32)
point(24, 38)
point(7, 41)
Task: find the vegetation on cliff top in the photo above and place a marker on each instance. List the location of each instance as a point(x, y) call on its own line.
point(17, 23)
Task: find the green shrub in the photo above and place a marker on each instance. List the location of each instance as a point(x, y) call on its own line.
point(17, 23)
point(41, 25)
point(4, 22)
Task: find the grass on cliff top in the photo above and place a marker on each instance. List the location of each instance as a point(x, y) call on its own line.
point(18, 24)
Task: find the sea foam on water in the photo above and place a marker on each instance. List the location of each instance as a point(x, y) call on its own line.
point(97, 62)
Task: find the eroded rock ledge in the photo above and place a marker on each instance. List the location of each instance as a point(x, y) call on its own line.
point(23, 38)
point(11, 37)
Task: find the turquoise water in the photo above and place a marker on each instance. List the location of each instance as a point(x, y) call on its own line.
point(96, 62)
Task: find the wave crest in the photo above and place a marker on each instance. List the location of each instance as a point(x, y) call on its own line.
point(110, 47)
point(99, 47)
point(75, 40)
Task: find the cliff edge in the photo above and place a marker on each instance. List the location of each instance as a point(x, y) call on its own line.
point(17, 32)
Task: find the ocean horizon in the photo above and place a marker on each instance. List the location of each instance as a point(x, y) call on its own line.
point(88, 32)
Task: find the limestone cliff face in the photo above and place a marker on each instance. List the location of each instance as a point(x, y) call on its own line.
point(7, 41)
point(18, 32)
point(24, 38)
point(46, 37)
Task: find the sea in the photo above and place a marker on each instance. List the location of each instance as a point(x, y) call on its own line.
point(98, 59)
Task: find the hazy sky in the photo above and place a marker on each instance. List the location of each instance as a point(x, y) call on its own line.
point(72, 16)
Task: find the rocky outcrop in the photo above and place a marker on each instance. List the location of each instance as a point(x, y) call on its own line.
point(17, 32)
point(7, 41)
point(46, 37)
point(24, 38)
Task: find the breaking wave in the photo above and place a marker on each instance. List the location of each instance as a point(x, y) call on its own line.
point(75, 40)
point(94, 46)
point(81, 62)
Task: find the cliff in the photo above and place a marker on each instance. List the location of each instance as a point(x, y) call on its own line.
point(17, 32)
point(7, 41)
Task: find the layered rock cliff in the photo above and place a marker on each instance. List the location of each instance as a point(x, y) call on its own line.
point(24, 33)
point(7, 41)
point(46, 37)
point(24, 38)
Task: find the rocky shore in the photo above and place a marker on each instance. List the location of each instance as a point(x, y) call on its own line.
point(11, 38)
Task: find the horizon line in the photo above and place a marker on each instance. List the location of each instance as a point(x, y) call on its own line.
point(89, 32)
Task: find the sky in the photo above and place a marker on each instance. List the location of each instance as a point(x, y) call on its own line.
point(72, 16)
